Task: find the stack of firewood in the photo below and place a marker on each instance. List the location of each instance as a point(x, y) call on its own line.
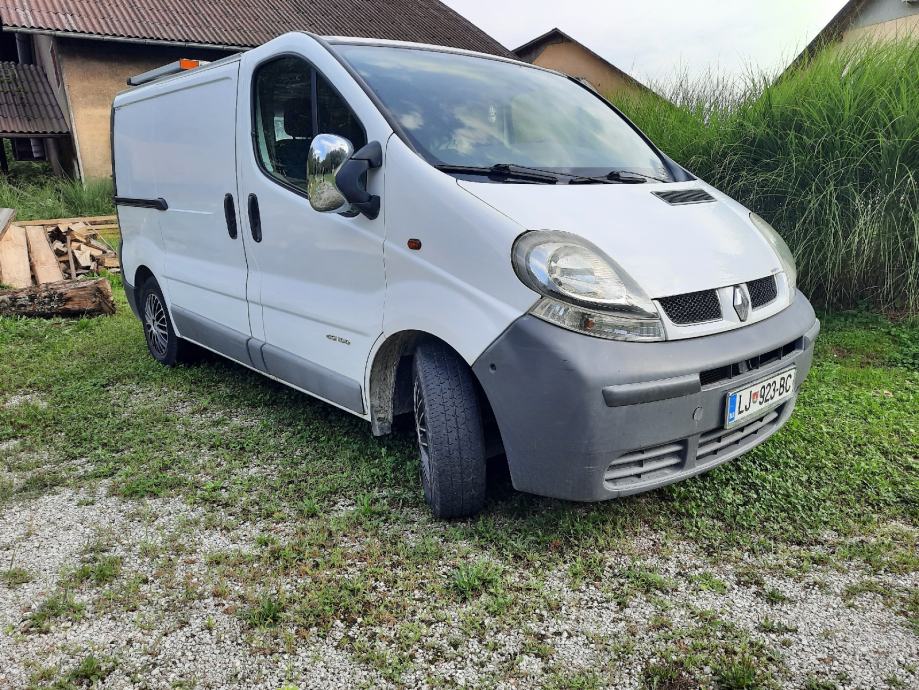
point(41, 262)
point(80, 249)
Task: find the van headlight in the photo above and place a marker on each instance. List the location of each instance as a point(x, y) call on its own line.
point(583, 289)
point(786, 258)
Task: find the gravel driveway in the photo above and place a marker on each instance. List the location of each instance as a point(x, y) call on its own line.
point(153, 594)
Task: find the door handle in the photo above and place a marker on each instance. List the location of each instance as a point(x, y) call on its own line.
point(229, 210)
point(255, 219)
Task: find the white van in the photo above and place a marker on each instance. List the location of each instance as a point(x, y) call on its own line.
point(486, 245)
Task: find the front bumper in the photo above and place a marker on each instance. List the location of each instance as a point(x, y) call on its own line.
point(587, 419)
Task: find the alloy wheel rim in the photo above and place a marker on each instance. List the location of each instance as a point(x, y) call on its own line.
point(156, 327)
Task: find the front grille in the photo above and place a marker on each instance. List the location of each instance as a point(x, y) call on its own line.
point(729, 371)
point(681, 197)
point(721, 442)
point(692, 307)
point(645, 465)
point(762, 291)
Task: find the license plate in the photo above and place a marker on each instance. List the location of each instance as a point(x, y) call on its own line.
point(758, 398)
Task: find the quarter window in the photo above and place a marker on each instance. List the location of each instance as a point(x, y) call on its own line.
point(292, 104)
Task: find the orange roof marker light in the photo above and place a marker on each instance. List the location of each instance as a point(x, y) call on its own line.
point(172, 68)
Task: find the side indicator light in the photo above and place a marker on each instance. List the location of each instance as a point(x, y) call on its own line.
point(414, 244)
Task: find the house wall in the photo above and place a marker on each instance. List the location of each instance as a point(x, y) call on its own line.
point(93, 73)
point(884, 19)
point(573, 59)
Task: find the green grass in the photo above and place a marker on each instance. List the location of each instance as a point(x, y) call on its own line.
point(360, 548)
point(38, 196)
point(59, 606)
point(829, 154)
point(845, 462)
point(14, 577)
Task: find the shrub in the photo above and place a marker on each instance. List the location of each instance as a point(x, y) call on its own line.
point(828, 153)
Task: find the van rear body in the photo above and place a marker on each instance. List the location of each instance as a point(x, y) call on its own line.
point(483, 244)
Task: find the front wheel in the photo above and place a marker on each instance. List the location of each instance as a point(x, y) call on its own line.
point(448, 423)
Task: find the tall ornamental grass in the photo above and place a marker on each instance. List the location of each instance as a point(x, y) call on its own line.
point(828, 153)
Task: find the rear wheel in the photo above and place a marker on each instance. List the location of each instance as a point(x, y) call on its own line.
point(162, 342)
point(448, 424)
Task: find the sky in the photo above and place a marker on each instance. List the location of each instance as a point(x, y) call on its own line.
point(653, 41)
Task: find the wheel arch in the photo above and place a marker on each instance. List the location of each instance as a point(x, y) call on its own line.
point(389, 381)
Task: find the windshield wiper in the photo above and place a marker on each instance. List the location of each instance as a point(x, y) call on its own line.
point(631, 177)
point(505, 171)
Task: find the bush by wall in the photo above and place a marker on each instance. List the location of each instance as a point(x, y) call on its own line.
point(829, 154)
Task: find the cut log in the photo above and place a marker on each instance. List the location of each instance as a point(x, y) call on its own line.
point(7, 216)
point(66, 298)
point(109, 261)
point(81, 256)
point(44, 262)
point(14, 259)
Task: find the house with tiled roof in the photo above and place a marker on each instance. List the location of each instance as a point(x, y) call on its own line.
point(63, 61)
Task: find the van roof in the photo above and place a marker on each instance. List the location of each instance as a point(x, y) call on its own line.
point(331, 42)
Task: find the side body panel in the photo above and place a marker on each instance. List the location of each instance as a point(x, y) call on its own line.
point(134, 140)
point(195, 166)
point(317, 281)
point(460, 285)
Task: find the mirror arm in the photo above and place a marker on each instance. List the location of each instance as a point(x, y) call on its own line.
point(349, 179)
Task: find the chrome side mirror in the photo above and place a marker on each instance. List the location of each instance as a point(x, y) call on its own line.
point(328, 153)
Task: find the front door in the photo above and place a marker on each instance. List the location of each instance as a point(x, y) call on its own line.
point(205, 267)
point(317, 285)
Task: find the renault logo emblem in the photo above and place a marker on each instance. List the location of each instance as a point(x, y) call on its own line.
point(741, 302)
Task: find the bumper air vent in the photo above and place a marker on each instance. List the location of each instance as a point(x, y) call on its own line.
point(730, 441)
point(645, 465)
point(730, 371)
point(692, 307)
point(682, 197)
point(762, 291)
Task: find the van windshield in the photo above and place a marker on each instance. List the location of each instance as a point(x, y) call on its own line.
point(462, 110)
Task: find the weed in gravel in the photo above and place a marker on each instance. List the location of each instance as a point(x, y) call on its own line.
point(815, 683)
point(573, 680)
point(91, 671)
point(586, 568)
point(774, 627)
point(13, 577)
point(478, 577)
point(739, 673)
point(647, 581)
point(57, 606)
point(708, 582)
point(266, 612)
point(857, 589)
point(668, 674)
point(774, 596)
point(38, 482)
point(98, 570)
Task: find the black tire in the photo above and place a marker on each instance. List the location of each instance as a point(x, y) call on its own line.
point(448, 425)
point(162, 342)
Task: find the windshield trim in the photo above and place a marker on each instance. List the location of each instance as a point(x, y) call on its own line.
point(676, 171)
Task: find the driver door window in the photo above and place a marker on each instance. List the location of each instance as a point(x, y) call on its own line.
point(292, 104)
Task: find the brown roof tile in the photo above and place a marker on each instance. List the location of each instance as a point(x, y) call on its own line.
point(248, 23)
point(27, 104)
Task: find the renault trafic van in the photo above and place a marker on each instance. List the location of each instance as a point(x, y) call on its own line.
point(488, 246)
